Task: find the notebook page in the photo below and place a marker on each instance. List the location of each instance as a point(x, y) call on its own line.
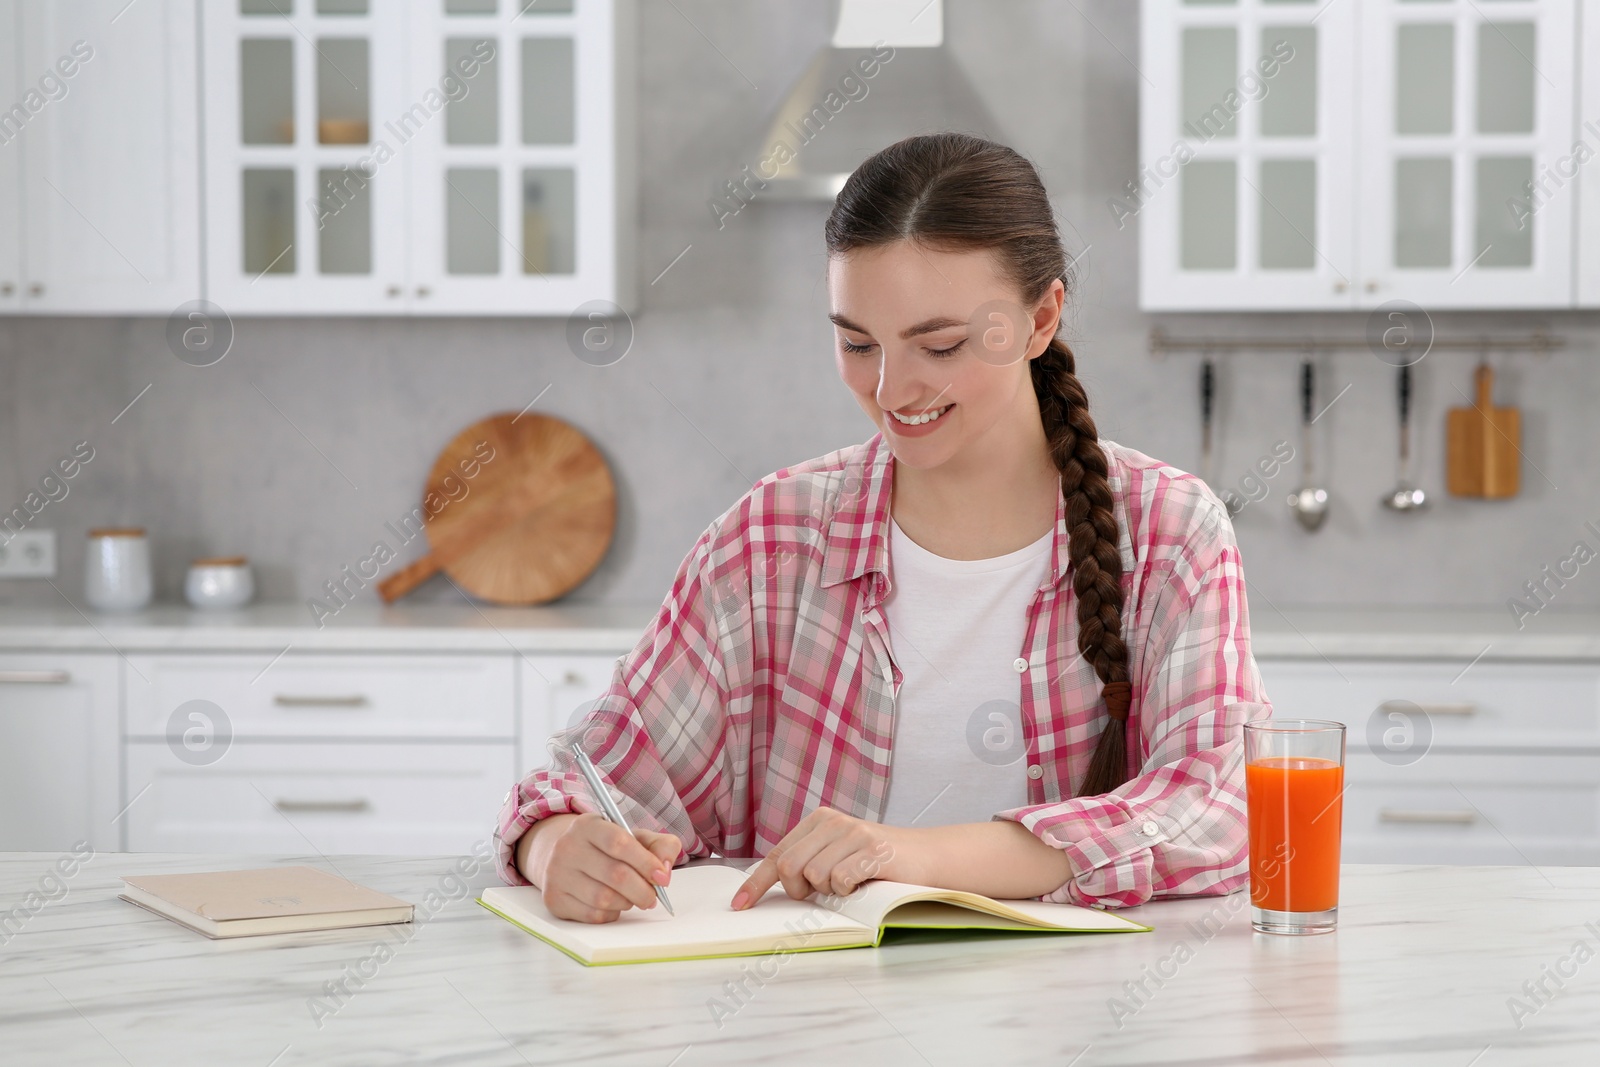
point(703, 923)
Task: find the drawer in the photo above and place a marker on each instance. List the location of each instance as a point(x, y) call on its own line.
point(1466, 807)
point(1405, 707)
point(266, 797)
point(313, 695)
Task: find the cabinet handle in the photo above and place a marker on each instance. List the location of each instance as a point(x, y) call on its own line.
point(1452, 818)
point(355, 700)
point(1404, 707)
point(36, 289)
point(1340, 286)
point(423, 290)
point(1371, 286)
point(572, 678)
point(7, 288)
point(393, 290)
point(355, 804)
point(35, 677)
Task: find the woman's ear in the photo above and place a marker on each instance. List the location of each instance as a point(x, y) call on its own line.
point(1047, 318)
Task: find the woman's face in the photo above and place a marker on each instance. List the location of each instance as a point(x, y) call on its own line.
point(935, 346)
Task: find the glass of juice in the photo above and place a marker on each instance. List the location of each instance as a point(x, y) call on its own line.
point(1294, 790)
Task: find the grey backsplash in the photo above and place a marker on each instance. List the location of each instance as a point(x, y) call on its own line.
point(312, 433)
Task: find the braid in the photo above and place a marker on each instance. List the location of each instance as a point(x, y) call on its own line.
point(1096, 561)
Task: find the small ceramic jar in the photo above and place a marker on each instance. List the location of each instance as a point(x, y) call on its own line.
point(116, 574)
point(219, 583)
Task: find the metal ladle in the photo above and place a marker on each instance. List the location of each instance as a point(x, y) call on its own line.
point(1309, 503)
point(1406, 497)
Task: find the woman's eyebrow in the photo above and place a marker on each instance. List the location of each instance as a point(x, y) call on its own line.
point(930, 326)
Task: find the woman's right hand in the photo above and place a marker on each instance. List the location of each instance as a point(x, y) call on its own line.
point(593, 870)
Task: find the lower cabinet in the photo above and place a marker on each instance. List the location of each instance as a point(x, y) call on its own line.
point(59, 771)
point(1457, 762)
point(556, 692)
point(417, 798)
point(312, 752)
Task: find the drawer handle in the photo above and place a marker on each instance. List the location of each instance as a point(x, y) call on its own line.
point(572, 678)
point(1452, 818)
point(1403, 707)
point(35, 677)
point(290, 701)
point(286, 805)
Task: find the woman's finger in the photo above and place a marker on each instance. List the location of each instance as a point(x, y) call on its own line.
point(839, 867)
point(783, 864)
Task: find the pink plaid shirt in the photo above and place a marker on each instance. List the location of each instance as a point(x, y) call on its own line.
point(765, 687)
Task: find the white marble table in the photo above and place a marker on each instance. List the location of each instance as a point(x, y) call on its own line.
point(1420, 972)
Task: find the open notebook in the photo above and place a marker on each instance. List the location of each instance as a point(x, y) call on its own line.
point(705, 927)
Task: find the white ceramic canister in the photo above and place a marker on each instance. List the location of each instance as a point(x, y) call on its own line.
point(116, 574)
point(224, 582)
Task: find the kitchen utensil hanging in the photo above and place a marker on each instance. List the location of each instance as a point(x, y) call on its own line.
point(1406, 497)
point(1310, 502)
point(1483, 444)
point(1231, 500)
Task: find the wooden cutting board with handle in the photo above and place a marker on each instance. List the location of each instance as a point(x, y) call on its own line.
point(1482, 445)
point(528, 526)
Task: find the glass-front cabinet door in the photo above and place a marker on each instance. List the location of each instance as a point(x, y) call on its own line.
point(306, 183)
point(1466, 113)
point(514, 183)
point(1246, 137)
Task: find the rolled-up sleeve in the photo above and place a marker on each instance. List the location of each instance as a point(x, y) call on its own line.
point(1178, 828)
point(658, 733)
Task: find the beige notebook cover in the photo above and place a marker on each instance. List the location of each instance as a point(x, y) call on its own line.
point(273, 900)
point(705, 926)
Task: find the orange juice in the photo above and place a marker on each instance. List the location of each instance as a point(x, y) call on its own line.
point(1295, 810)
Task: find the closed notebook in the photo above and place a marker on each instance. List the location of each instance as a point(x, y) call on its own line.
point(705, 927)
point(274, 900)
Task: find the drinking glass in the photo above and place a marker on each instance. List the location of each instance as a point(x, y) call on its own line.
point(1294, 789)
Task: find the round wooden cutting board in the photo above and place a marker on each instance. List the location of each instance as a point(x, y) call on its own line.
point(519, 508)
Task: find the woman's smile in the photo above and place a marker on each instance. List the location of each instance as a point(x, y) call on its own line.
point(915, 421)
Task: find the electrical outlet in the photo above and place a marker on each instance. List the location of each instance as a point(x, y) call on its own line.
point(29, 554)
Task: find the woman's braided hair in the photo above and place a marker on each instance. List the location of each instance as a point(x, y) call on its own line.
point(954, 191)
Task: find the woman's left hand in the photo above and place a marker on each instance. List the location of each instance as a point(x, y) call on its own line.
point(828, 852)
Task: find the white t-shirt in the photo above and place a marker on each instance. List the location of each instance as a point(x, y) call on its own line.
point(956, 629)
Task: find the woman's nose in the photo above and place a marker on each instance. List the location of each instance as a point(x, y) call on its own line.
point(897, 386)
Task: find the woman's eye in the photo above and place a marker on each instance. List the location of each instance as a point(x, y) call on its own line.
point(945, 353)
point(849, 346)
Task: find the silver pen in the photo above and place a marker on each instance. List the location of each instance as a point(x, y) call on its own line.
point(609, 806)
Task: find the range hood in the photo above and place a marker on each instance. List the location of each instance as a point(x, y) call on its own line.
point(835, 116)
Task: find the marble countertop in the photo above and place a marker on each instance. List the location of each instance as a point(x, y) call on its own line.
point(1424, 969)
point(1292, 633)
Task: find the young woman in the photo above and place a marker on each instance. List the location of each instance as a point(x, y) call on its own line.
point(985, 650)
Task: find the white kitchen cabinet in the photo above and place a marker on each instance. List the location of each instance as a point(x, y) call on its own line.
point(11, 126)
point(442, 157)
point(1455, 761)
point(364, 752)
point(108, 183)
point(1260, 95)
point(1587, 182)
point(556, 692)
point(1474, 807)
point(392, 798)
point(1463, 106)
point(1388, 159)
point(326, 696)
point(60, 780)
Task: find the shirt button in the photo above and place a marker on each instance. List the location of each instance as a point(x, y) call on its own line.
point(1149, 829)
point(1035, 771)
point(1019, 664)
